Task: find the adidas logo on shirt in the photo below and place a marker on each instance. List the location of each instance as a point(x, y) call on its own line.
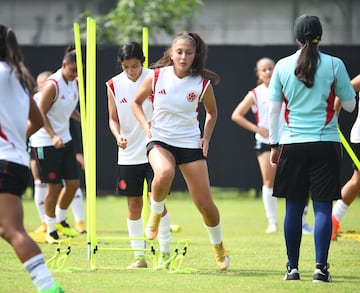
point(162, 92)
point(123, 101)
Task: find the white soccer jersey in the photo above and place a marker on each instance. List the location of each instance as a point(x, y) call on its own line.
point(123, 90)
point(176, 108)
point(260, 109)
point(36, 97)
point(355, 130)
point(14, 113)
point(64, 104)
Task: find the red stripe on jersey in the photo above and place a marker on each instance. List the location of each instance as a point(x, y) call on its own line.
point(287, 111)
point(2, 134)
point(110, 84)
point(256, 114)
point(205, 81)
point(156, 77)
point(330, 104)
point(56, 85)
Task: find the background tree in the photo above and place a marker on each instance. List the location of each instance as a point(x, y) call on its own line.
point(126, 20)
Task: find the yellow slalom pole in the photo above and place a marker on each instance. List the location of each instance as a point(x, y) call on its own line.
point(79, 63)
point(145, 45)
point(145, 48)
point(91, 129)
point(80, 76)
point(349, 150)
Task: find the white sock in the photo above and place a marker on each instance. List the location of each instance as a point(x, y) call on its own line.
point(50, 224)
point(77, 205)
point(40, 190)
point(40, 275)
point(157, 207)
point(164, 235)
point(305, 214)
point(215, 234)
point(135, 228)
point(60, 214)
point(269, 204)
point(340, 209)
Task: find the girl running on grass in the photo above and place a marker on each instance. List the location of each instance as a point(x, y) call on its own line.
point(180, 84)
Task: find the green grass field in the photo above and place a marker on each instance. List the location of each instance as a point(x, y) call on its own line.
point(257, 259)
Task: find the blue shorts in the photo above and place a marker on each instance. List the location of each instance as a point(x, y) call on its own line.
point(56, 164)
point(14, 178)
point(130, 181)
point(181, 155)
point(309, 168)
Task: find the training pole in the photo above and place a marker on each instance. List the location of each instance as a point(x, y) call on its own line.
point(145, 45)
point(79, 63)
point(349, 150)
point(91, 131)
point(145, 48)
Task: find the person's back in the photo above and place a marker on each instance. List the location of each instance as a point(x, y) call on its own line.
point(13, 127)
point(19, 118)
point(308, 158)
point(310, 115)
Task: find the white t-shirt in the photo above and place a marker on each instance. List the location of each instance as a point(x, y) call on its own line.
point(260, 108)
point(176, 108)
point(123, 90)
point(14, 113)
point(355, 130)
point(65, 102)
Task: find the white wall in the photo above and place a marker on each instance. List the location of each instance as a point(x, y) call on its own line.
point(220, 22)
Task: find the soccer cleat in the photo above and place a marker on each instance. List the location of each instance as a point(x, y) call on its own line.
point(307, 229)
point(221, 257)
point(335, 228)
point(272, 228)
point(292, 274)
point(164, 260)
point(139, 263)
point(65, 229)
point(321, 274)
point(80, 227)
point(56, 288)
point(41, 228)
point(52, 237)
point(152, 226)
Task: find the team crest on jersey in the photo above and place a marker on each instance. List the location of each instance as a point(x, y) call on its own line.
point(191, 96)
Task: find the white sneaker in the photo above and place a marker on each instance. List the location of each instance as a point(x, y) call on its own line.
point(272, 228)
point(307, 229)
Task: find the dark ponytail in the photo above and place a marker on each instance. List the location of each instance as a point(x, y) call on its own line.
point(11, 53)
point(307, 63)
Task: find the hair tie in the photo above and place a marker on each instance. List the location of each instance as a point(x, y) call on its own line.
point(316, 40)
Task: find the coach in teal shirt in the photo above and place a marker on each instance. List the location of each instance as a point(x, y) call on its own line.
point(308, 155)
point(310, 114)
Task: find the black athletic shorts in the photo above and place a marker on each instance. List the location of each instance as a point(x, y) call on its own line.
point(181, 155)
point(130, 181)
point(56, 164)
point(261, 147)
point(356, 148)
point(309, 167)
point(14, 178)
